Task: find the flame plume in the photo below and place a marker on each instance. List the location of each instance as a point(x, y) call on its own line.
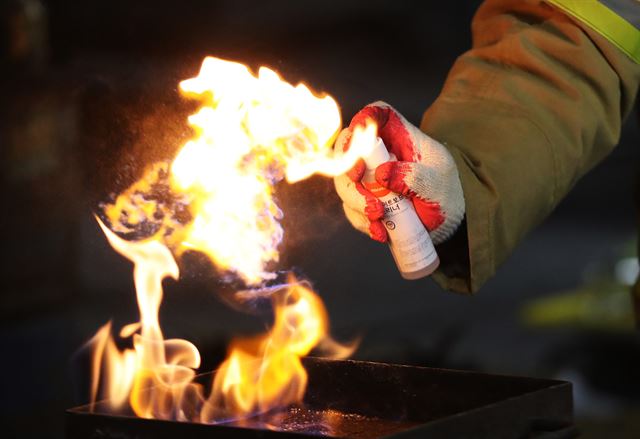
point(250, 132)
point(265, 371)
point(156, 376)
point(167, 365)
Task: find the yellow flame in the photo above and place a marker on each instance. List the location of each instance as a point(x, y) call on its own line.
point(165, 365)
point(266, 371)
point(117, 368)
point(250, 132)
point(156, 375)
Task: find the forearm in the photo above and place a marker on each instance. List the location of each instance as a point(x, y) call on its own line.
point(536, 103)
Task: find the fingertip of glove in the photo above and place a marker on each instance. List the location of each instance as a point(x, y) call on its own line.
point(383, 173)
point(378, 232)
point(429, 212)
point(376, 112)
point(343, 140)
point(391, 175)
point(374, 209)
point(357, 171)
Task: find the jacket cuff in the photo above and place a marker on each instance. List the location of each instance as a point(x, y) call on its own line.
point(467, 259)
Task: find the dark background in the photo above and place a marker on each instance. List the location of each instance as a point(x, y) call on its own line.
point(89, 96)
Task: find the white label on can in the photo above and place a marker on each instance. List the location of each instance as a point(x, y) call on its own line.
point(409, 240)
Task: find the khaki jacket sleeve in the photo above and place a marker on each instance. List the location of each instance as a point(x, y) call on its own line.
point(535, 104)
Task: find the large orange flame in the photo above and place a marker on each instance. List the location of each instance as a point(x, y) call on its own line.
point(156, 375)
point(251, 132)
point(166, 365)
point(265, 371)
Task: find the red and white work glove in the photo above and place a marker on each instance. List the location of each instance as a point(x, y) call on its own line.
point(425, 172)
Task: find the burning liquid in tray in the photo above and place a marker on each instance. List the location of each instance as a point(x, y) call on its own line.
point(327, 422)
point(156, 376)
point(250, 133)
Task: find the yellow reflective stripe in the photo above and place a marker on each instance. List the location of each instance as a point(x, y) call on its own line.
point(606, 22)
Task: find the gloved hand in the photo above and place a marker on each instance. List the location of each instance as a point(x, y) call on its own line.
point(425, 172)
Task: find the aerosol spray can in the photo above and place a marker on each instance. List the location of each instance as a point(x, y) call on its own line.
point(409, 240)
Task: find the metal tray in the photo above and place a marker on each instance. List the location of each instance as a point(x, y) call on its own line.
point(355, 399)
